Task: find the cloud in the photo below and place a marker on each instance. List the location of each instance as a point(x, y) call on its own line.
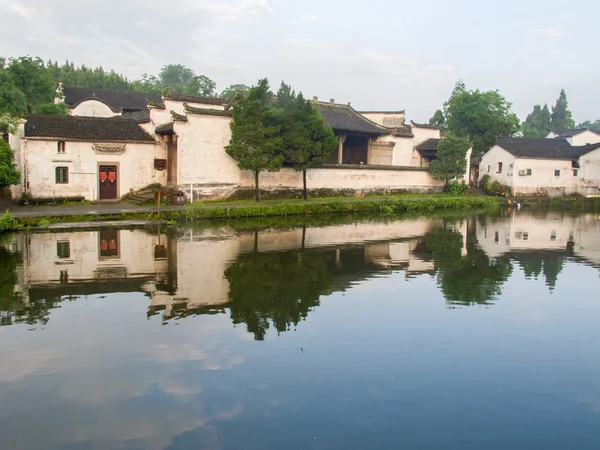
point(307, 18)
point(547, 33)
point(25, 12)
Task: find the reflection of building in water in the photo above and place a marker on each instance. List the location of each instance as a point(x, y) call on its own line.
point(90, 262)
point(541, 242)
point(527, 231)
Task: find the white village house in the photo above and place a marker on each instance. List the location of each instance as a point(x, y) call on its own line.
point(114, 143)
point(553, 166)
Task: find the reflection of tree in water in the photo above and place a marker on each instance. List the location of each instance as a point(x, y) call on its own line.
point(278, 288)
point(10, 301)
point(466, 279)
point(549, 264)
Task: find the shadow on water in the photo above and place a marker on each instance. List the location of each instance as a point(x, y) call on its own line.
point(272, 273)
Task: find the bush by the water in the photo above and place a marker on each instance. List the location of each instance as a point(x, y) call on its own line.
point(495, 187)
point(456, 188)
point(7, 222)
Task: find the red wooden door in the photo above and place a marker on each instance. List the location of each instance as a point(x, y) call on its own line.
point(108, 182)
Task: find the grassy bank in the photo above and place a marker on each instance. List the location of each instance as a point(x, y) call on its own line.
point(572, 204)
point(390, 206)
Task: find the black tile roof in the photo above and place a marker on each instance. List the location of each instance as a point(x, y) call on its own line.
point(97, 129)
point(116, 100)
point(382, 112)
point(540, 148)
point(178, 117)
point(344, 118)
point(207, 111)
point(165, 128)
point(425, 125)
point(195, 99)
point(428, 145)
point(403, 131)
point(142, 116)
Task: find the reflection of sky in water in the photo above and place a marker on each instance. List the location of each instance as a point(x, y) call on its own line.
point(385, 363)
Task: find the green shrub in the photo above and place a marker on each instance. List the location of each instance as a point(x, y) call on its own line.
point(458, 188)
point(7, 222)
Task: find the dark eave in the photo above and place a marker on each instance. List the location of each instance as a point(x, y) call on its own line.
point(77, 128)
point(178, 117)
point(424, 125)
point(345, 119)
point(428, 145)
point(195, 99)
point(207, 111)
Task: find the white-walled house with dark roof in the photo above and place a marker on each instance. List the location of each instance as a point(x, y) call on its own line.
point(551, 167)
point(577, 137)
point(132, 140)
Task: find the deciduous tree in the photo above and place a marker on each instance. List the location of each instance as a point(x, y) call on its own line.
point(482, 117)
point(438, 119)
point(230, 91)
point(24, 84)
point(9, 174)
point(255, 133)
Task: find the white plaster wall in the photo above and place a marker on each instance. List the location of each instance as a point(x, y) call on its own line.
point(160, 116)
point(551, 231)
point(422, 134)
point(387, 119)
point(586, 137)
point(93, 108)
point(590, 167)
point(136, 168)
point(489, 165)
point(136, 256)
point(344, 179)
point(404, 153)
point(201, 151)
point(542, 176)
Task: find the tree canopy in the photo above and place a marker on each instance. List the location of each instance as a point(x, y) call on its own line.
point(562, 118)
point(482, 117)
point(451, 158)
point(256, 140)
point(438, 119)
point(307, 140)
point(9, 174)
point(538, 122)
point(594, 126)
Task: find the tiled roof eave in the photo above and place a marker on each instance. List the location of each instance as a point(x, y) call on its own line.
point(66, 139)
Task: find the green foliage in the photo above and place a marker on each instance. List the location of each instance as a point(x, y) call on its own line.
point(177, 78)
point(278, 288)
point(594, 126)
point(307, 140)
point(496, 188)
point(438, 119)
point(537, 124)
point(562, 118)
point(59, 109)
point(87, 77)
point(484, 180)
point(9, 174)
point(7, 222)
point(465, 280)
point(24, 84)
point(482, 117)
point(451, 159)
point(232, 90)
point(255, 133)
point(458, 188)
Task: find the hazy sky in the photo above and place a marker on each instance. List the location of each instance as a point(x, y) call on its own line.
point(377, 54)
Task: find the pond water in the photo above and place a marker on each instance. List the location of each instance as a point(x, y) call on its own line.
point(434, 333)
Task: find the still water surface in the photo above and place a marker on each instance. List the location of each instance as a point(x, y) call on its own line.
point(481, 333)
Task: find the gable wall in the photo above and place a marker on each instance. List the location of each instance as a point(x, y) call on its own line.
point(93, 108)
point(489, 165)
point(587, 137)
point(590, 167)
point(387, 119)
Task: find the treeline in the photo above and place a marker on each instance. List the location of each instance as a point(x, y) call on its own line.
point(269, 131)
point(28, 84)
point(484, 117)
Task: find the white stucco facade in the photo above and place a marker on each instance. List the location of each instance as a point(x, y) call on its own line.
point(537, 176)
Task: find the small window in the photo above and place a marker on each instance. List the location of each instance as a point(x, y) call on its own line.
point(496, 237)
point(63, 249)
point(529, 172)
point(499, 167)
point(489, 168)
point(62, 175)
point(557, 173)
point(553, 235)
point(575, 172)
point(61, 146)
point(525, 236)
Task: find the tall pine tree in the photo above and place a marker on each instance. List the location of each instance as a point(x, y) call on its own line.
point(537, 123)
point(255, 133)
point(562, 118)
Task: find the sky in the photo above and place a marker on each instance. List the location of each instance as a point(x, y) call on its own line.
point(375, 55)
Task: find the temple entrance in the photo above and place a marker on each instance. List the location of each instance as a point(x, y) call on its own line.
point(355, 150)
